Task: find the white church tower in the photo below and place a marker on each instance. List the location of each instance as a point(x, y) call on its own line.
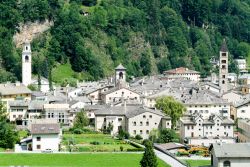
point(223, 68)
point(26, 64)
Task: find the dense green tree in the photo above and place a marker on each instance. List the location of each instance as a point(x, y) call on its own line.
point(167, 135)
point(149, 158)
point(81, 120)
point(171, 107)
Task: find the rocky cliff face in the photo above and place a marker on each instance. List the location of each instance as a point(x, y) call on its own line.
point(29, 31)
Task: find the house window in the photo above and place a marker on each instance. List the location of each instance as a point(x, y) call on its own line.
point(119, 119)
point(48, 115)
point(134, 123)
point(38, 146)
point(192, 127)
point(104, 119)
point(14, 116)
point(52, 115)
point(243, 111)
point(147, 131)
point(141, 124)
point(226, 164)
point(140, 131)
point(38, 138)
point(135, 132)
point(150, 116)
point(188, 127)
point(144, 116)
point(229, 127)
point(147, 123)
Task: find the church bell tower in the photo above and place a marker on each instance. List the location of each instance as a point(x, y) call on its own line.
point(26, 64)
point(223, 68)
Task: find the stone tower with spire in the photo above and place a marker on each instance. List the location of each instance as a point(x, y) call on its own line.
point(120, 75)
point(223, 83)
point(26, 63)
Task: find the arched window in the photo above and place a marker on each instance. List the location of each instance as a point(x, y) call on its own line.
point(26, 58)
point(226, 164)
point(120, 75)
point(223, 82)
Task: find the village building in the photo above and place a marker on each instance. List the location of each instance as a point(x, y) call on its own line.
point(197, 130)
point(242, 65)
point(22, 112)
point(14, 91)
point(45, 137)
point(230, 155)
point(58, 112)
point(244, 130)
point(241, 109)
point(117, 94)
point(182, 72)
point(232, 96)
point(136, 120)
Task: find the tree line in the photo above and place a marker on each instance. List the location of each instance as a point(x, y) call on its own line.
point(147, 36)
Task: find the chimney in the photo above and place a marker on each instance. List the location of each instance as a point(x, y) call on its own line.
point(125, 106)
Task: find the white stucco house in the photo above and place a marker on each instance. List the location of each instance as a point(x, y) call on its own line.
point(136, 120)
point(117, 94)
point(182, 72)
point(45, 137)
point(198, 130)
point(230, 155)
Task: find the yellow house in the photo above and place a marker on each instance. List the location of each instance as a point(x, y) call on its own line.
point(14, 91)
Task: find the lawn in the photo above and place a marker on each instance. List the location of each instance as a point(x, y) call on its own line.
point(74, 160)
point(196, 163)
point(95, 142)
point(62, 72)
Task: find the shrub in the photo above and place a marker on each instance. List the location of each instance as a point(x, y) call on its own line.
point(77, 131)
point(138, 137)
point(121, 148)
point(95, 143)
point(135, 149)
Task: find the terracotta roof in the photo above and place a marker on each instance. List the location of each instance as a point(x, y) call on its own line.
point(181, 70)
point(45, 129)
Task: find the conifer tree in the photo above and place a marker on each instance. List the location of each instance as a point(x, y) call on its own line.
point(149, 158)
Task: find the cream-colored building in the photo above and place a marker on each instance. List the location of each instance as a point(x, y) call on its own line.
point(182, 72)
point(58, 111)
point(23, 112)
point(117, 94)
point(198, 130)
point(136, 120)
point(244, 130)
point(241, 109)
point(230, 155)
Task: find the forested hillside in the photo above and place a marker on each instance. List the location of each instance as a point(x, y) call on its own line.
point(147, 36)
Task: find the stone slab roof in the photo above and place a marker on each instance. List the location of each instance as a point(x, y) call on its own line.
point(232, 150)
point(128, 111)
point(12, 88)
point(45, 129)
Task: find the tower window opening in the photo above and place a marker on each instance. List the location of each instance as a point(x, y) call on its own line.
point(223, 61)
point(223, 81)
point(26, 58)
point(224, 54)
point(120, 75)
point(26, 47)
point(223, 67)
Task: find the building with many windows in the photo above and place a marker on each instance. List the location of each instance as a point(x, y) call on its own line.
point(136, 120)
point(199, 130)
